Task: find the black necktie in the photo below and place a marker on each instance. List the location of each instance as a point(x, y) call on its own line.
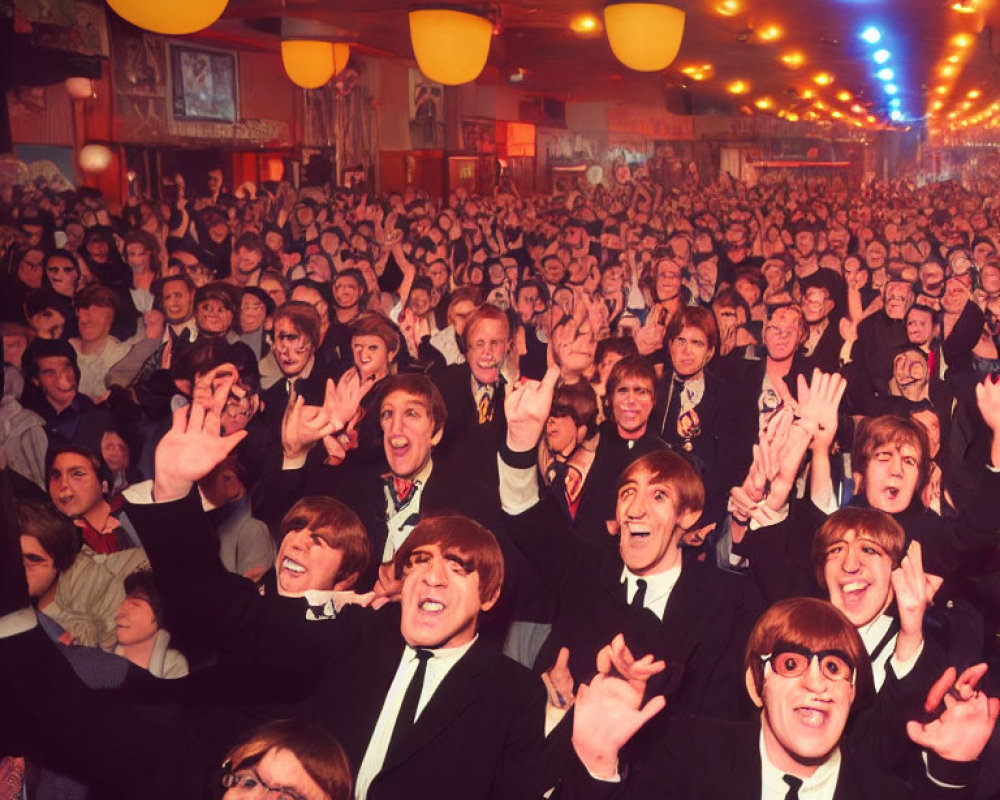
point(793, 787)
point(639, 598)
point(408, 708)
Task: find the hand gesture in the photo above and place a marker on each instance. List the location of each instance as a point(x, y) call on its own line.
point(302, 426)
point(527, 407)
point(649, 338)
point(818, 404)
point(559, 682)
point(914, 591)
point(961, 732)
point(342, 401)
point(609, 710)
point(194, 445)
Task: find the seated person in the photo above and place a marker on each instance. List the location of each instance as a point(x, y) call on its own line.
point(70, 416)
point(77, 488)
point(138, 635)
point(806, 670)
point(78, 593)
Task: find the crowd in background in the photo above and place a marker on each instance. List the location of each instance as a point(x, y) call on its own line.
point(805, 349)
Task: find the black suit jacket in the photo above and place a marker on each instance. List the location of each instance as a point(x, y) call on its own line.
point(704, 627)
point(700, 759)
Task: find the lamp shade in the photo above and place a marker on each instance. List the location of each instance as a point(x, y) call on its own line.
point(95, 157)
point(310, 63)
point(451, 47)
point(173, 18)
point(80, 88)
point(644, 36)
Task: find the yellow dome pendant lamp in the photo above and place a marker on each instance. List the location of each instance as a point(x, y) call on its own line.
point(451, 46)
point(174, 18)
point(309, 55)
point(644, 36)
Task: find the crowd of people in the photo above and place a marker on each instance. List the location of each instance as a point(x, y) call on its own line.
point(651, 491)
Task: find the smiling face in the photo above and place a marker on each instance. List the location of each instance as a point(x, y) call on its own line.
point(94, 322)
point(858, 577)
point(178, 301)
point(668, 280)
point(253, 313)
point(213, 316)
point(488, 340)
point(631, 405)
point(74, 486)
point(346, 292)
point(57, 380)
point(890, 479)
point(803, 717)
point(306, 560)
point(689, 351)
point(649, 524)
point(440, 599)
point(407, 433)
point(135, 622)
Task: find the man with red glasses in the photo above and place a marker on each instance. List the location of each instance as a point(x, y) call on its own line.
point(806, 669)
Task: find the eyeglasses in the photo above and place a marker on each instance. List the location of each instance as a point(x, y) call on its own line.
point(791, 662)
point(249, 784)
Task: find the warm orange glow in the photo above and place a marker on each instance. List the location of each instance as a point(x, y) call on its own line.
point(871, 119)
point(792, 116)
point(972, 95)
point(857, 109)
point(764, 103)
point(941, 90)
point(794, 59)
point(966, 105)
point(836, 114)
point(844, 96)
point(966, 7)
point(823, 78)
point(770, 33)
point(738, 87)
point(698, 73)
point(947, 71)
point(585, 23)
point(937, 105)
point(962, 40)
point(953, 59)
point(728, 7)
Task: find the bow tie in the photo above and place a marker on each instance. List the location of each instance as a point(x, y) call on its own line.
point(401, 490)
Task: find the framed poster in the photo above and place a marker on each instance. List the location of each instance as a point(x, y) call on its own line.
point(203, 84)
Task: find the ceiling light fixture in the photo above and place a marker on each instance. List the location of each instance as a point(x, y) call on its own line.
point(823, 78)
point(770, 33)
point(793, 59)
point(871, 34)
point(644, 36)
point(881, 56)
point(585, 23)
point(728, 8)
point(451, 47)
point(173, 19)
point(738, 87)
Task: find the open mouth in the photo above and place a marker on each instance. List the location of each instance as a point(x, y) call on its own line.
point(811, 717)
point(291, 566)
point(431, 606)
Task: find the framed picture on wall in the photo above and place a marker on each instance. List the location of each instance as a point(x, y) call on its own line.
point(203, 84)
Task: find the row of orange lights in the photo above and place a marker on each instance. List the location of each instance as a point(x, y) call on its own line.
point(950, 68)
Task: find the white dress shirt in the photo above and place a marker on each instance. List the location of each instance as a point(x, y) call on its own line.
point(438, 666)
point(399, 523)
point(658, 588)
point(819, 786)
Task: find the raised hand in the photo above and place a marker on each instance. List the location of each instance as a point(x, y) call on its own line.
point(302, 426)
point(914, 591)
point(527, 407)
point(342, 401)
point(818, 404)
point(194, 445)
point(988, 400)
point(961, 732)
point(609, 710)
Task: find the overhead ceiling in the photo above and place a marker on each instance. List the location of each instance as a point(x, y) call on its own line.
point(725, 42)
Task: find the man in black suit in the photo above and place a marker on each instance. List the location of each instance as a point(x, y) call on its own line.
point(473, 394)
point(683, 610)
point(412, 692)
point(391, 496)
point(805, 668)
